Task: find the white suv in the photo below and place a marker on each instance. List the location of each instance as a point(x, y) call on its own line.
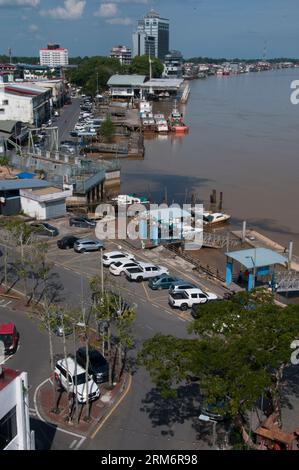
point(77, 382)
point(144, 271)
point(114, 256)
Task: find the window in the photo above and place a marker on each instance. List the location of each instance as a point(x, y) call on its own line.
point(8, 428)
point(194, 296)
point(2, 110)
point(5, 102)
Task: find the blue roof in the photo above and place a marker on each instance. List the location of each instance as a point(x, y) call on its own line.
point(25, 176)
point(13, 185)
point(257, 257)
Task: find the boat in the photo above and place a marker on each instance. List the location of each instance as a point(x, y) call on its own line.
point(175, 114)
point(145, 107)
point(175, 121)
point(128, 199)
point(213, 218)
point(162, 126)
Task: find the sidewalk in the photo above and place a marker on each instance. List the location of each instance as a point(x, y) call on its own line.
point(100, 409)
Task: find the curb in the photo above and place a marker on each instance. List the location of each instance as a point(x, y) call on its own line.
point(95, 427)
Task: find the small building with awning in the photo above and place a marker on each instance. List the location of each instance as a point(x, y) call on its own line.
point(254, 262)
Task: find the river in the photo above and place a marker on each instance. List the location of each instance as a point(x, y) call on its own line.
point(243, 140)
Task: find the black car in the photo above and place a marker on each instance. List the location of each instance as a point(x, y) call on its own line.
point(98, 366)
point(67, 242)
point(42, 228)
point(83, 222)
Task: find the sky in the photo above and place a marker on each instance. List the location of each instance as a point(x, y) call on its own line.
point(214, 28)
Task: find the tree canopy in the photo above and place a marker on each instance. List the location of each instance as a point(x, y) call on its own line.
point(94, 71)
point(140, 66)
point(237, 352)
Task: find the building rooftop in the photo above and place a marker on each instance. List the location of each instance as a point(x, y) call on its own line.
point(126, 80)
point(7, 376)
point(11, 185)
point(257, 257)
point(46, 191)
point(164, 83)
point(22, 89)
point(7, 126)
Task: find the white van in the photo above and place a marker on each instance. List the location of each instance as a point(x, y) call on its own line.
point(76, 380)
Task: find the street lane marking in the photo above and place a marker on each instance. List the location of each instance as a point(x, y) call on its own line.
point(73, 443)
point(50, 424)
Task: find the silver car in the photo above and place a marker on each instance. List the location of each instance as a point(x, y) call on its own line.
point(82, 246)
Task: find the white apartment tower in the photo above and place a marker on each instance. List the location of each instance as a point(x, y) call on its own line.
point(54, 56)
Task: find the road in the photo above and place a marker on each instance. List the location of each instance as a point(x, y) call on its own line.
point(143, 420)
point(68, 118)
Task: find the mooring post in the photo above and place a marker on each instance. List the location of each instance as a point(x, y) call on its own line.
point(290, 255)
point(244, 231)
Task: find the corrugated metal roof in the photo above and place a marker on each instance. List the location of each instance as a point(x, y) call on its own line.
point(164, 83)
point(257, 257)
point(126, 80)
point(7, 126)
point(10, 185)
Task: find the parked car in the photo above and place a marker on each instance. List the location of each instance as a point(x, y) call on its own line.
point(76, 379)
point(83, 222)
point(10, 337)
point(190, 297)
point(162, 282)
point(181, 285)
point(43, 228)
point(144, 271)
point(98, 366)
point(114, 256)
point(87, 244)
point(67, 242)
point(118, 268)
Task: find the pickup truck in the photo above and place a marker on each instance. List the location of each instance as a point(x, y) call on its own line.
point(190, 297)
point(144, 271)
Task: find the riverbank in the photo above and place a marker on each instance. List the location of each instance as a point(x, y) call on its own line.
point(243, 140)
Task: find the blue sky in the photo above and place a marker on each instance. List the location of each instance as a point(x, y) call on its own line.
point(217, 28)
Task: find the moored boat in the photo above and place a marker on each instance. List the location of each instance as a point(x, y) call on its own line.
point(214, 218)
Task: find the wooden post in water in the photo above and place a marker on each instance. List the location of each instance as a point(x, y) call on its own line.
point(290, 255)
point(244, 231)
point(221, 201)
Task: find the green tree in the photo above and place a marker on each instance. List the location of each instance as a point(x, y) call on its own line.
point(140, 66)
point(238, 351)
point(93, 73)
point(107, 129)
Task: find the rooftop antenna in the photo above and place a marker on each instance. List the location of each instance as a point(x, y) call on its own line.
point(10, 55)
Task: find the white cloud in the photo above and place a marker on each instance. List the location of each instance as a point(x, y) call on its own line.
point(107, 10)
point(19, 3)
point(33, 28)
point(71, 10)
point(120, 21)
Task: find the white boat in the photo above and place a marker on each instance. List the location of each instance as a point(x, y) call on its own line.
point(162, 126)
point(145, 107)
point(128, 199)
point(212, 218)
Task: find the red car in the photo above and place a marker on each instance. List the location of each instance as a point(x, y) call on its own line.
point(10, 337)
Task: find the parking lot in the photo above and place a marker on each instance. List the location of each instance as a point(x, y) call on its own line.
point(89, 264)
